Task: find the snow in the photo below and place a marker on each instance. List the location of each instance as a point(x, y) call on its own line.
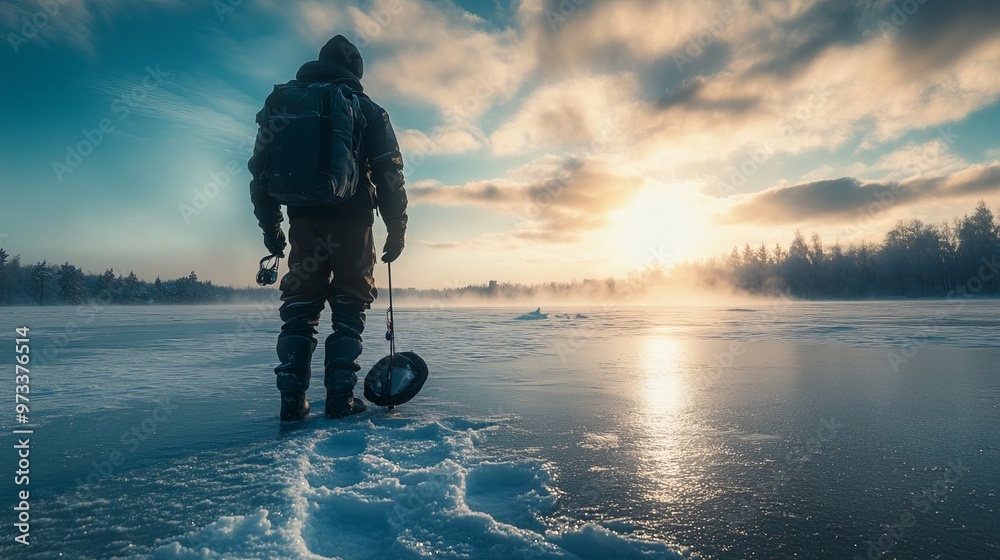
point(798, 429)
point(413, 489)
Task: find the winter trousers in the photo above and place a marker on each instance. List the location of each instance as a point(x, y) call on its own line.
point(330, 261)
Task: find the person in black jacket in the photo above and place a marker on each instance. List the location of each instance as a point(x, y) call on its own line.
point(332, 253)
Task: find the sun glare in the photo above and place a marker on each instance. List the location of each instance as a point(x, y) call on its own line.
point(661, 227)
point(664, 389)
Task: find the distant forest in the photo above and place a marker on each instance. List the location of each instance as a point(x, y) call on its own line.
point(960, 258)
point(65, 284)
point(914, 259)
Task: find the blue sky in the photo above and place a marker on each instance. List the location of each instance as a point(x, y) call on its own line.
point(543, 140)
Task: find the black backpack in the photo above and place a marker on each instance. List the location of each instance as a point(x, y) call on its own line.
point(315, 140)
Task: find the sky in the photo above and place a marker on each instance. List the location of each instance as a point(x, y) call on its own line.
point(543, 140)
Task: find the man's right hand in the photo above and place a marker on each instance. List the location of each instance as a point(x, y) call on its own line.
point(393, 247)
point(274, 240)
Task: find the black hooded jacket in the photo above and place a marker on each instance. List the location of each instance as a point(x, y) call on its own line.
point(381, 180)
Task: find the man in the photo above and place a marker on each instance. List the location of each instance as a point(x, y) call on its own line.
point(332, 253)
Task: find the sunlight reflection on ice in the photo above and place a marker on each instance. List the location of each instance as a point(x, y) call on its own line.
point(664, 396)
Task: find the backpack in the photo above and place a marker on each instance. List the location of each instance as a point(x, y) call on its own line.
point(313, 153)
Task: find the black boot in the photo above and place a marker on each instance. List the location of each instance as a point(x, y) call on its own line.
point(294, 407)
point(341, 405)
point(293, 373)
point(341, 376)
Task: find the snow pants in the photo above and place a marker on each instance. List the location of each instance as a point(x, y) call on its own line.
point(330, 261)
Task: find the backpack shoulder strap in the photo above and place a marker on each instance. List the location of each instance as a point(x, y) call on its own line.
point(265, 112)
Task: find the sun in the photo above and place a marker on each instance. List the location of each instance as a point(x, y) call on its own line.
point(662, 226)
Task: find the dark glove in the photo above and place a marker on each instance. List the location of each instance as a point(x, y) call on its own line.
point(275, 242)
point(393, 247)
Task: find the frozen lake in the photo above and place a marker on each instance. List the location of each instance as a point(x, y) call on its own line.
point(777, 430)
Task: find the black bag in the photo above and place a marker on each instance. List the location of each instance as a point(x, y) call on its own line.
point(315, 143)
point(409, 372)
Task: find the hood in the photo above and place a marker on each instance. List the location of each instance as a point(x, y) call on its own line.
point(339, 60)
point(328, 71)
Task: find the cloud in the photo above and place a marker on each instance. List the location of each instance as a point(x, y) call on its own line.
point(205, 109)
point(834, 200)
point(572, 114)
point(440, 244)
point(603, 36)
point(442, 140)
point(934, 157)
point(62, 22)
point(938, 34)
point(548, 200)
point(795, 42)
point(440, 55)
point(602, 78)
point(800, 75)
point(431, 53)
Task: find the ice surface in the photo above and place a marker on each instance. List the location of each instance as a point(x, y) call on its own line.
point(607, 433)
point(406, 489)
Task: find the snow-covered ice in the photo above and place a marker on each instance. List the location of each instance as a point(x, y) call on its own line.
point(775, 430)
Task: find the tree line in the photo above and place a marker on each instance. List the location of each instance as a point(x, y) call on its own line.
point(46, 284)
point(960, 258)
point(914, 259)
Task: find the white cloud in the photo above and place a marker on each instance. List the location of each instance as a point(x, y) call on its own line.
point(846, 199)
point(438, 55)
point(549, 200)
point(824, 171)
point(790, 76)
point(929, 158)
point(573, 36)
point(442, 140)
point(581, 113)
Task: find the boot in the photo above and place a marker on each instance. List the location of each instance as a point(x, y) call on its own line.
point(341, 405)
point(294, 406)
point(292, 375)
